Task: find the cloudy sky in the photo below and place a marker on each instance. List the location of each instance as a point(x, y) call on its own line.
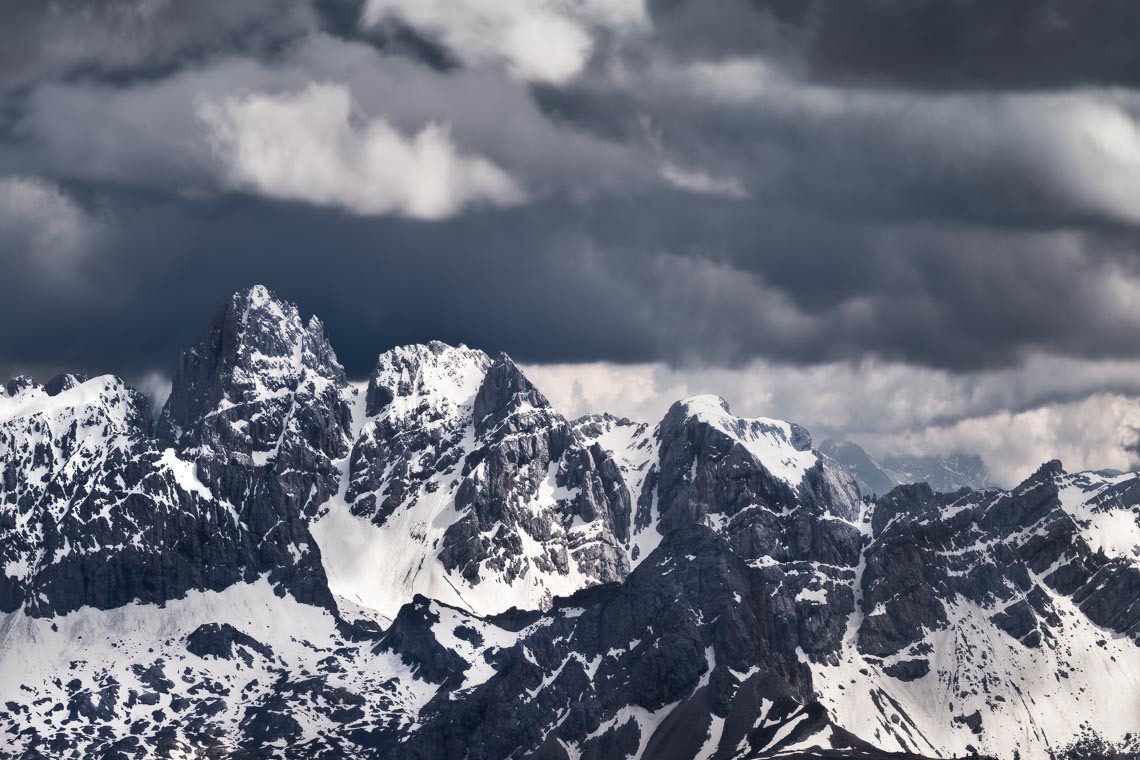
point(911, 222)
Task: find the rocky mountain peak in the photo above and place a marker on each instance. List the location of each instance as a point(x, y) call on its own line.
point(736, 471)
point(432, 375)
point(946, 473)
point(1048, 470)
point(257, 354)
point(96, 514)
point(506, 394)
point(492, 496)
point(783, 448)
point(64, 382)
point(911, 499)
point(850, 456)
point(17, 385)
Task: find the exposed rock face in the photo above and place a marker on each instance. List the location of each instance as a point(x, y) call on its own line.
point(439, 565)
point(672, 646)
point(634, 450)
point(417, 426)
point(524, 448)
point(714, 464)
point(99, 513)
point(94, 513)
point(1000, 601)
point(262, 408)
point(221, 640)
point(494, 499)
point(1010, 551)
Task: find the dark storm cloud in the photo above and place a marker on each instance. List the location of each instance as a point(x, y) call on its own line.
point(117, 38)
point(940, 44)
point(528, 281)
point(375, 282)
point(960, 297)
point(707, 189)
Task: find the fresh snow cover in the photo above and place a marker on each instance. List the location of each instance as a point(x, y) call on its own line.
point(974, 664)
point(492, 638)
point(184, 474)
point(819, 595)
point(768, 440)
point(712, 742)
point(383, 566)
point(647, 723)
point(17, 568)
point(1086, 678)
point(34, 400)
point(447, 378)
point(94, 417)
point(39, 656)
point(636, 451)
point(1104, 524)
point(786, 729)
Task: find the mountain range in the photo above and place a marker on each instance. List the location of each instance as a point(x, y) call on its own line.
point(945, 474)
point(435, 563)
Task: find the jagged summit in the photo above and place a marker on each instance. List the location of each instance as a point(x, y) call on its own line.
point(257, 351)
point(96, 514)
point(434, 374)
point(16, 385)
point(437, 564)
point(784, 448)
point(507, 400)
point(465, 485)
point(1048, 470)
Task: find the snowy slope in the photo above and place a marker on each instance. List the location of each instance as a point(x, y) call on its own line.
point(96, 512)
point(1010, 638)
point(283, 675)
point(1104, 506)
point(779, 447)
point(381, 566)
point(439, 501)
point(635, 450)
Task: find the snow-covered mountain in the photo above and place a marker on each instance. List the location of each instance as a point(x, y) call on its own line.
point(875, 477)
point(435, 563)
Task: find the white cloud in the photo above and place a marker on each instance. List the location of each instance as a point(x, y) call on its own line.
point(149, 133)
point(155, 386)
point(1092, 433)
point(538, 40)
point(311, 146)
point(38, 220)
point(48, 39)
point(1081, 411)
point(730, 81)
point(697, 181)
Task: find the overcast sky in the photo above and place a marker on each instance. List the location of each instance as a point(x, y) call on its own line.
point(912, 222)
